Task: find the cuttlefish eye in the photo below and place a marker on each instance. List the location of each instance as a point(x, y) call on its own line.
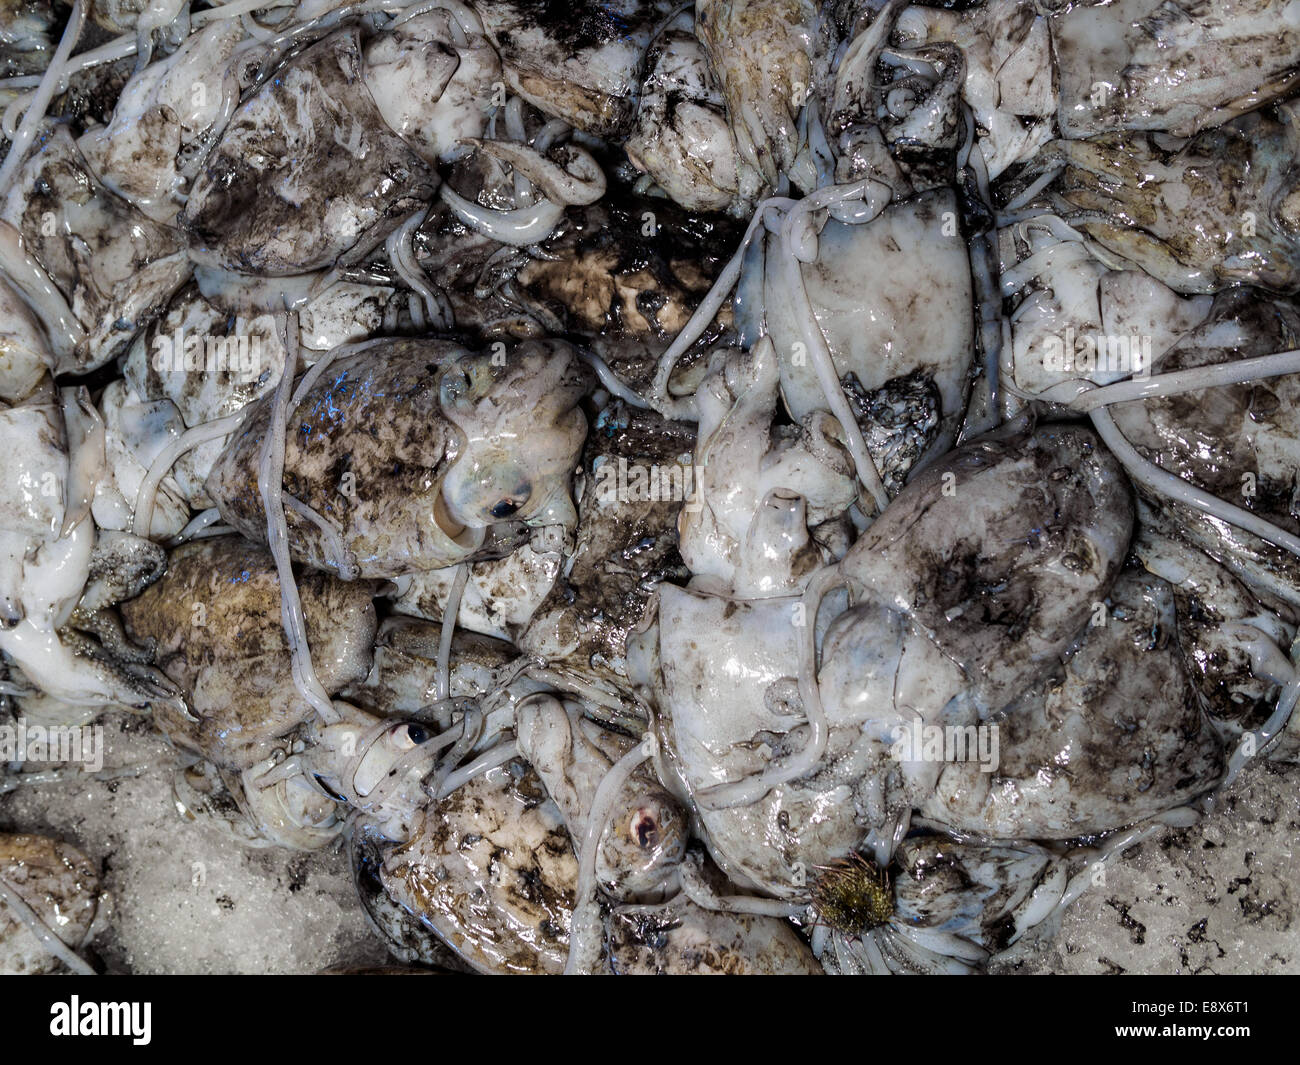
point(650, 842)
point(486, 491)
point(644, 829)
point(466, 382)
point(455, 384)
point(511, 500)
point(406, 736)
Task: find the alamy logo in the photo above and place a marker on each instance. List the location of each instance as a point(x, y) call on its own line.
point(134, 1019)
point(919, 742)
point(629, 482)
point(83, 744)
point(1085, 353)
point(238, 354)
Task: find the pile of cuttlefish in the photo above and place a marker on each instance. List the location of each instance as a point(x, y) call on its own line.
point(748, 486)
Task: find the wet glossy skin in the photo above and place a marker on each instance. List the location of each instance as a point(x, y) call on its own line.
point(60, 575)
point(758, 492)
point(1221, 210)
point(135, 431)
point(681, 136)
point(1216, 438)
point(945, 630)
point(215, 619)
point(762, 52)
point(493, 874)
point(414, 449)
point(24, 352)
point(287, 195)
point(1003, 566)
point(165, 119)
point(626, 545)
point(1181, 67)
point(126, 15)
point(580, 62)
point(1229, 640)
point(115, 268)
point(1009, 82)
point(889, 294)
point(1072, 294)
point(25, 46)
point(1099, 67)
point(405, 667)
point(1072, 756)
point(971, 600)
point(646, 834)
point(682, 938)
point(719, 671)
point(500, 598)
point(433, 83)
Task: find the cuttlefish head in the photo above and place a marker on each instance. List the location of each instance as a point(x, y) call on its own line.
point(523, 431)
